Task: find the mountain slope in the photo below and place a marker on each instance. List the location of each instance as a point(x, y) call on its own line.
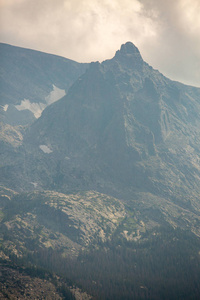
point(93, 241)
point(102, 190)
point(123, 127)
point(66, 223)
point(31, 79)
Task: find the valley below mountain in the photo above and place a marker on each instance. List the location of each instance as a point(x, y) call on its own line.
point(99, 195)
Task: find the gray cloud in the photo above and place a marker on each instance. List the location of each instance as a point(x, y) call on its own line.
point(166, 32)
point(177, 43)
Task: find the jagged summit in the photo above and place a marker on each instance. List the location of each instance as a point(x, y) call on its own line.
point(129, 48)
point(129, 55)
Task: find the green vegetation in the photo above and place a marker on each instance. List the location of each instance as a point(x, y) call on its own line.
point(166, 266)
point(107, 250)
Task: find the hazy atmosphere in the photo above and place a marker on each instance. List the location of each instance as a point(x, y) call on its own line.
point(167, 33)
point(100, 162)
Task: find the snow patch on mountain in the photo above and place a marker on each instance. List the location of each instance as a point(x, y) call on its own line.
point(35, 184)
point(55, 95)
point(37, 108)
point(5, 107)
point(45, 149)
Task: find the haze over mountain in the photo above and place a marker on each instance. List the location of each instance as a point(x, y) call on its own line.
point(109, 170)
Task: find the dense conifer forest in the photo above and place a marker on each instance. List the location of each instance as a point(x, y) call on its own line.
point(165, 267)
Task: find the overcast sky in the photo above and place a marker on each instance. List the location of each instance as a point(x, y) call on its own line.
point(167, 32)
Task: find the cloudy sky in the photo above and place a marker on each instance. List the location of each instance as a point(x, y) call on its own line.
point(167, 32)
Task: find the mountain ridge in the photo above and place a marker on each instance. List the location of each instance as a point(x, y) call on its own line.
point(102, 190)
point(142, 110)
point(30, 80)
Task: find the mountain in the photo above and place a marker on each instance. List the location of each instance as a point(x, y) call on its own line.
point(30, 80)
point(122, 128)
point(102, 190)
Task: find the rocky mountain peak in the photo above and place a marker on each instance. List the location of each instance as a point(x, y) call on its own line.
point(129, 56)
point(130, 50)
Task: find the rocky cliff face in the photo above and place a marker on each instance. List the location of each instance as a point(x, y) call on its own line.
point(122, 127)
point(109, 173)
